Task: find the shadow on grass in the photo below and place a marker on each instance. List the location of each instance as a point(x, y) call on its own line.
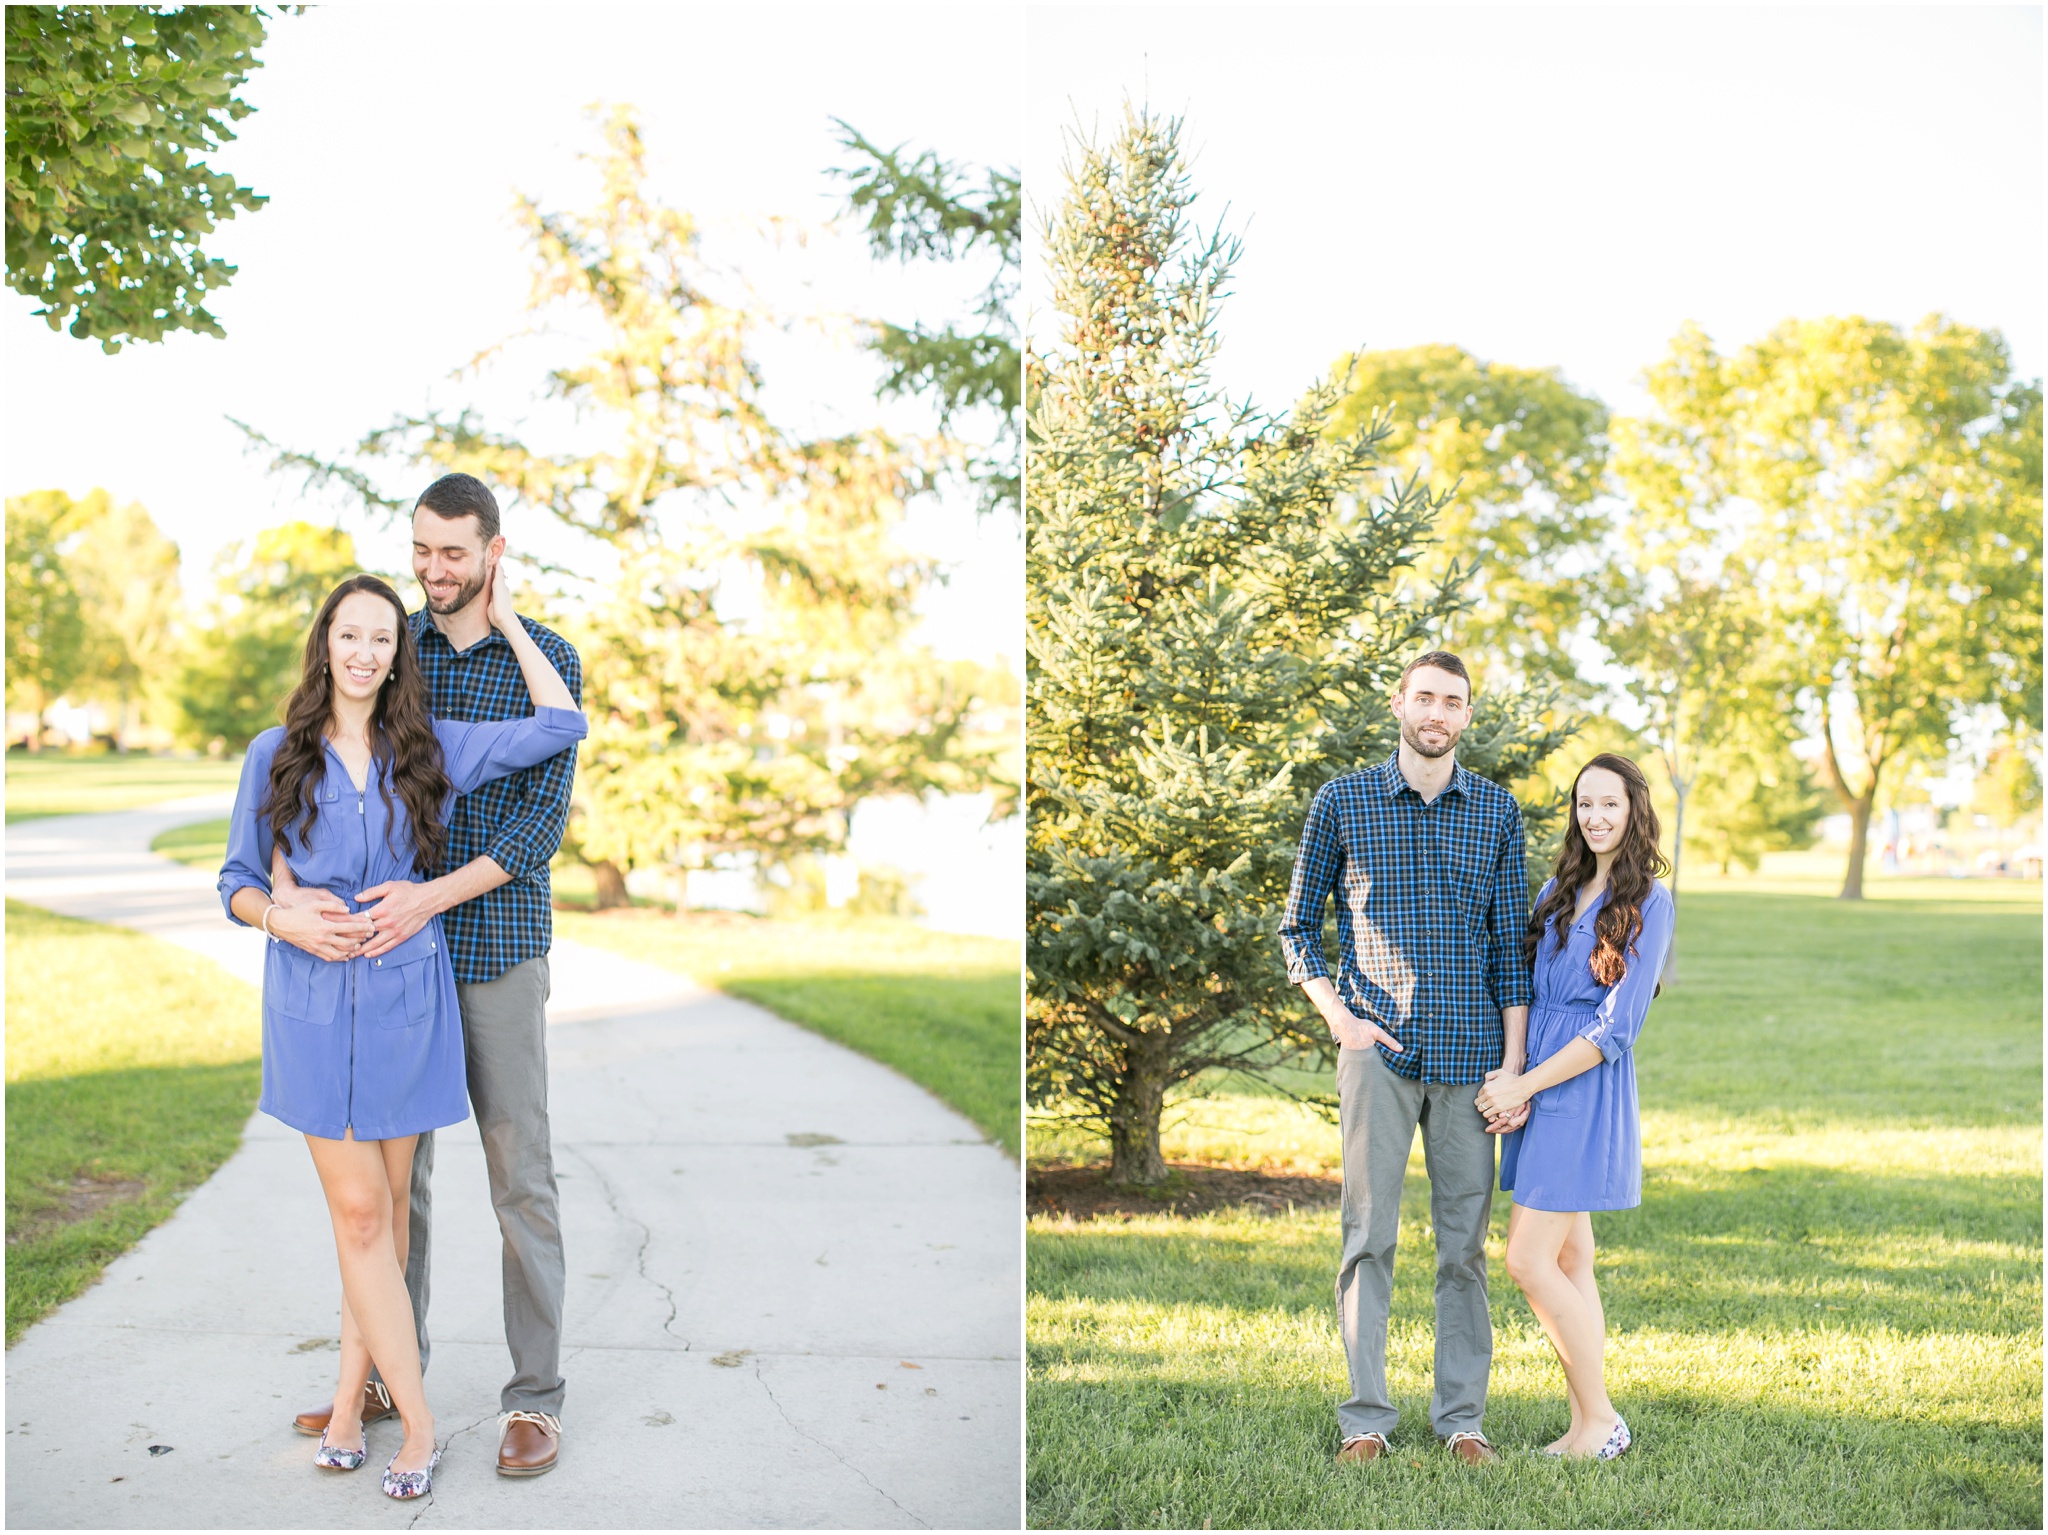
point(1786, 1247)
point(148, 1134)
point(1185, 1455)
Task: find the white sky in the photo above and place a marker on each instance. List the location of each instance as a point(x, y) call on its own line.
point(391, 141)
point(1551, 186)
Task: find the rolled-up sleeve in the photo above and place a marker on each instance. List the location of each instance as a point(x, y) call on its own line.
point(1507, 977)
point(476, 751)
point(525, 842)
point(1317, 867)
point(248, 858)
point(1620, 1018)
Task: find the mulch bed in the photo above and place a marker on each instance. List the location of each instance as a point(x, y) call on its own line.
point(1084, 1193)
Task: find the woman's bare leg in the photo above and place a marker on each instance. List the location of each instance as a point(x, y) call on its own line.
point(1578, 1412)
point(345, 1429)
point(356, 1179)
point(1577, 1328)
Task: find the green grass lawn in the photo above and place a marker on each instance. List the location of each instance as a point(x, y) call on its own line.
point(941, 1008)
point(63, 783)
point(1826, 1313)
point(203, 844)
point(131, 1069)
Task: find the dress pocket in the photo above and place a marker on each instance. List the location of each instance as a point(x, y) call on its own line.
point(301, 986)
point(1567, 1100)
point(403, 985)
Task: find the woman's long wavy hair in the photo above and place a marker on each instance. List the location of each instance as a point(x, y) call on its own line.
point(1637, 865)
point(402, 737)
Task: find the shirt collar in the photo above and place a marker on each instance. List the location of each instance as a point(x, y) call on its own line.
point(426, 632)
point(1392, 783)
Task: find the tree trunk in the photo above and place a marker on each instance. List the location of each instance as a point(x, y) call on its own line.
point(611, 885)
point(1859, 842)
point(1134, 1158)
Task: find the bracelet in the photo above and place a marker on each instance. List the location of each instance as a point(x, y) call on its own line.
point(267, 933)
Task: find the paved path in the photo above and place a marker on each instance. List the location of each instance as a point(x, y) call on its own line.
point(794, 1281)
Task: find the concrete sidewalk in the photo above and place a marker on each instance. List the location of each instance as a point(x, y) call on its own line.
point(795, 1282)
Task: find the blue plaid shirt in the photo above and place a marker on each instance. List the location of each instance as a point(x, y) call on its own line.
point(515, 821)
point(1431, 903)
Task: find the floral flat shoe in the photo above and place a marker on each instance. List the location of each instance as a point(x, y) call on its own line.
point(1617, 1443)
point(331, 1457)
point(410, 1484)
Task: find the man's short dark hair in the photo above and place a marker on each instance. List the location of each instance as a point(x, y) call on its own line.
point(1443, 661)
point(462, 495)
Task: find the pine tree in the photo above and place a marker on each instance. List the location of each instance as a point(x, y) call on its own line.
point(751, 666)
point(926, 208)
point(1211, 634)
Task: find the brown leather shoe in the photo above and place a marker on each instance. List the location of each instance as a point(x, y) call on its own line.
point(1472, 1449)
point(1363, 1447)
point(528, 1443)
point(376, 1404)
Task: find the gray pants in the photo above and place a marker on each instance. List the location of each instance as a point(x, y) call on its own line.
point(504, 1036)
point(1378, 1113)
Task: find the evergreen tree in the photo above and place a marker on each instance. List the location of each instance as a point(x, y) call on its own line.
point(1211, 634)
point(750, 667)
point(927, 208)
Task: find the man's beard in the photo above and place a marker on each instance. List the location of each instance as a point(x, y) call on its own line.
point(465, 594)
point(1414, 742)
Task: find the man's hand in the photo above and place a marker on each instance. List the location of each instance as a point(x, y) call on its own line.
point(1356, 1033)
point(344, 924)
point(402, 909)
point(306, 921)
point(1346, 1027)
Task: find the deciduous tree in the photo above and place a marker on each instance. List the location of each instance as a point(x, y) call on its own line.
point(112, 112)
point(1524, 456)
point(1881, 490)
point(126, 573)
point(246, 661)
point(46, 633)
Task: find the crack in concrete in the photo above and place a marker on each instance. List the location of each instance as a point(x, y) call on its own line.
point(446, 1445)
point(806, 1433)
point(611, 1200)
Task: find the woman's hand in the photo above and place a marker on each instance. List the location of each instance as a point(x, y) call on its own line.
point(310, 926)
point(1501, 1094)
point(503, 617)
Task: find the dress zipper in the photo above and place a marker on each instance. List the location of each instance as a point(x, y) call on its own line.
point(352, 970)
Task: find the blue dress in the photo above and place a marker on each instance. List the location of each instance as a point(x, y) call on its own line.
point(1582, 1147)
point(369, 1044)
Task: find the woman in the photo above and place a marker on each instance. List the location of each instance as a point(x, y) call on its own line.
point(362, 1054)
point(1597, 941)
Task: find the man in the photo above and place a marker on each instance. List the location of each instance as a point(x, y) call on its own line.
point(494, 897)
point(1426, 860)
